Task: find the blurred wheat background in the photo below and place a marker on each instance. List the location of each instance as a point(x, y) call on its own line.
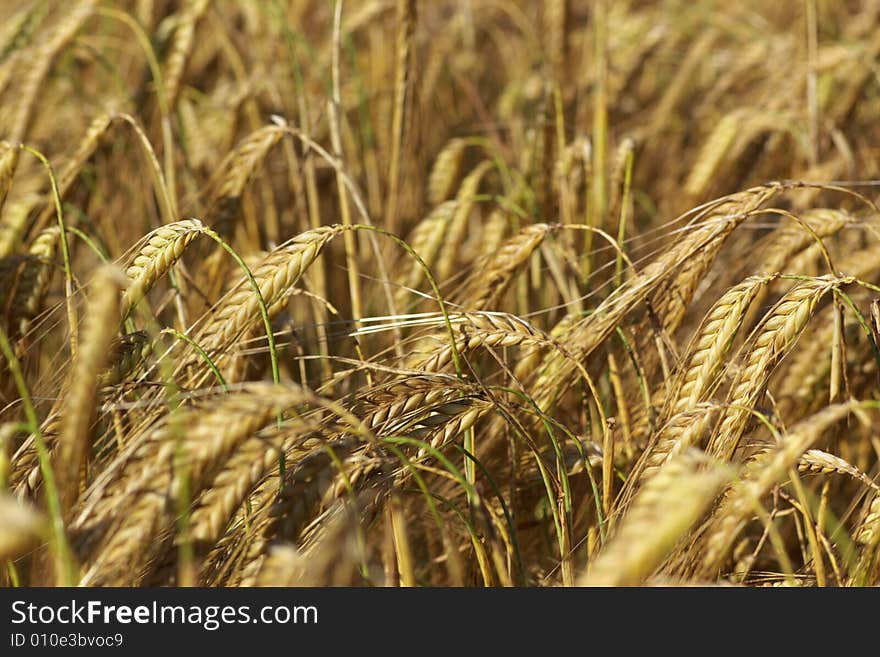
point(439, 292)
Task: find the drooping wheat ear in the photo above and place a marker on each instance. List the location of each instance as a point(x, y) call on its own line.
point(74, 444)
point(389, 408)
point(484, 330)
point(282, 515)
point(457, 230)
point(240, 475)
point(448, 421)
point(494, 230)
point(84, 150)
point(819, 462)
point(493, 276)
point(446, 170)
point(25, 475)
point(275, 275)
point(41, 60)
point(181, 46)
point(236, 170)
point(227, 417)
point(793, 248)
point(403, 79)
point(802, 378)
point(682, 431)
point(124, 355)
point(33, 282)
point(8, 163)
point(182, 454)
point(661, 514)
point(426, 240)
point(673, 297)
point(316, 483)
point(708, 348)
point(558, 372)
point(161, 249)
point(330, 552)
point(21, 527)
point(776, 335)
point(423, 414)
point(243, 543)
point(763, 472)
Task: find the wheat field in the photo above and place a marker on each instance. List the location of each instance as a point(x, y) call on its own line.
point(439, 293)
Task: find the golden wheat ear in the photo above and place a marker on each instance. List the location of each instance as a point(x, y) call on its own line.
point(75, 440)
point(162, 248)
point(661, 514)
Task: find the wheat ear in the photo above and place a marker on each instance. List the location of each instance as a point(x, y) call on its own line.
point(662, 512)
point(709, 346)
point(163, 247)
point(775, 336)
point(181, 46)
point(41, 61)
point(764, 472)
point(102, 318)
point(8, 162)
point(188, 448)
point(445, 171)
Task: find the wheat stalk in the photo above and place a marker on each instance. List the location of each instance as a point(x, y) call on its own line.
point(403, 81)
